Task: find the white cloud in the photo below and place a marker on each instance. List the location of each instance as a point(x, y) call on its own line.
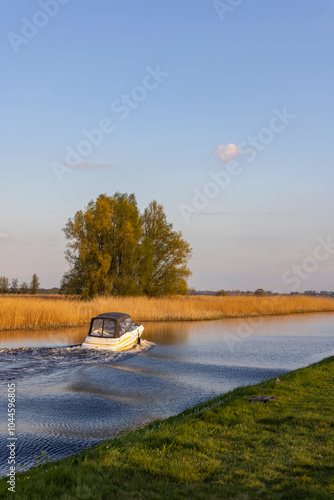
point(227, 153)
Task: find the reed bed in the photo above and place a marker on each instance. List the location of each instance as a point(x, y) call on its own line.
point(37, 312)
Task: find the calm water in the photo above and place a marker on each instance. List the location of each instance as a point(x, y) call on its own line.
point(69, 399)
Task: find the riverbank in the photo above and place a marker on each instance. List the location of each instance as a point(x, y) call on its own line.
point(49, 313)
point(224, 448)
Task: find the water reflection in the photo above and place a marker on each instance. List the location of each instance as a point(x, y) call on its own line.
point(41, 338)
point(185, 332)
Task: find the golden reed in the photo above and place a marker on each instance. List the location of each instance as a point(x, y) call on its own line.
point(51, 312)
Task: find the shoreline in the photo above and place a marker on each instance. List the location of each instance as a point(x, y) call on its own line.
point(27, 314)
point(223, 447)
point(176, 320)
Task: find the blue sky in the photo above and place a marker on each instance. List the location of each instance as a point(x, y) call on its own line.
point(198, 84)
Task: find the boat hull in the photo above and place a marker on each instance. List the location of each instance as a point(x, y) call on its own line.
point(126, 341)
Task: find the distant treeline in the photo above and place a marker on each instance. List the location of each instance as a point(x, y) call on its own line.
point(259, 292)
point(13, 286)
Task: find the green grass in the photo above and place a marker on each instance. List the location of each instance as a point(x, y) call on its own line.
point(225, 448)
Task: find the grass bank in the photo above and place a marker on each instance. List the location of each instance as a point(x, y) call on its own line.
point(226, 448)
point(48, 313)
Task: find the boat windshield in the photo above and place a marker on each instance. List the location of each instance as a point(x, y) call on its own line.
point(97, 326)
point(109, 328)
point(124, 326)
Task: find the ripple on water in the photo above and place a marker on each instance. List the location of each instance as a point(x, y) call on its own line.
point(21, 362)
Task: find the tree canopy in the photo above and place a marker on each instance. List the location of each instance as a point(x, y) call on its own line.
point(34, 284)
point(24, 288)
point(4, 284)
point(114, 249)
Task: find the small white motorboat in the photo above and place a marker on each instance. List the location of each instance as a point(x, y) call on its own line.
point(113, 331)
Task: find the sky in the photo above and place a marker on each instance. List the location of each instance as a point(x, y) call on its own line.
point(222, 111)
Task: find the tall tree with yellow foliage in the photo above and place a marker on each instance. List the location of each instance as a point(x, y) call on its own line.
point(113, 249)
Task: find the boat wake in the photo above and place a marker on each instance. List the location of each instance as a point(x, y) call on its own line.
point(24, 361)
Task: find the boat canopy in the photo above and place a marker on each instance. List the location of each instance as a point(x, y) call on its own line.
point(110, 325)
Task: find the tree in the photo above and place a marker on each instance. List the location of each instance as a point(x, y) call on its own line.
point(166, 254)
point(15, 285)
point(24, 288)
point(4, 284)
point(259, 292)
point(34, 285)
point(221, 293)
point(103, 247)
point(113, 249)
